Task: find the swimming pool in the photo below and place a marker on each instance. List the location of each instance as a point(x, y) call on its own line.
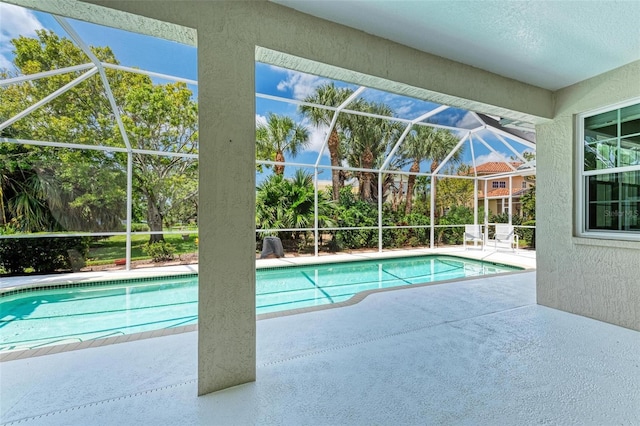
point(75, 313)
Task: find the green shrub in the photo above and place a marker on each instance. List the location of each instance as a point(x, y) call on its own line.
point(351, 213)
point(159, 251)
point(455, 216)
point(529, 234)
point(139, 227)
point(43, 255)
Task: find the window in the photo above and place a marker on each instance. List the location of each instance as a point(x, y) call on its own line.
point(498, 184)
point(609, 172)
point(524, 185)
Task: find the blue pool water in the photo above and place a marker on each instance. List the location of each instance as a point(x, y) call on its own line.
point(76, 313)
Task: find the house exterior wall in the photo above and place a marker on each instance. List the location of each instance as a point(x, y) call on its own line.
point(495, 204)
point(516, 182)
point(590, 277)
point(230, 34)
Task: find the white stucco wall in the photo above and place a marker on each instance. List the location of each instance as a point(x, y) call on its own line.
point(594, 278)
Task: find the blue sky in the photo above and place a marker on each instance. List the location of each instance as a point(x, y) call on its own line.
point(179, 60)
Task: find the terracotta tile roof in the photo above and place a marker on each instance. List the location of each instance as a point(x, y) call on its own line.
point(503, 192)
point(493, 167)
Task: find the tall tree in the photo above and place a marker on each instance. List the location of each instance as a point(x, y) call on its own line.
point(86, 189)
point(162, 118)
point(455, 192)
point(279, 135)
point(426, 143)
point(332, 96)
point(367, 140)
point(50, 189)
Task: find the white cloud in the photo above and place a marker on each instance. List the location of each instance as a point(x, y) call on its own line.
point(491, 157)
point(300, 84)
point(317, 135)
point(403, 110)
point(469, 121)
point(261, 120)
point(16, 21)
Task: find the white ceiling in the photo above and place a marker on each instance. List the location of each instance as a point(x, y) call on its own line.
point(549, 44)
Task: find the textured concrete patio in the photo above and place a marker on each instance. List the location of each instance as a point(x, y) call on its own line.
point(472, 352)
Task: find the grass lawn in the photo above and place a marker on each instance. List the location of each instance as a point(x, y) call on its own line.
point(106, 251)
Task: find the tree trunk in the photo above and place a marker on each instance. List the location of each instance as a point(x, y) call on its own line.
point(434, 166)
point(336, 181)
point(367, 163)
point(279, 168)
point(154, 220)
point(397, 198)
point(411, 182)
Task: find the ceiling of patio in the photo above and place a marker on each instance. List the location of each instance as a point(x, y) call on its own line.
point(549, 44)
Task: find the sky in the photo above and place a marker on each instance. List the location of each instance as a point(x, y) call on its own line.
point(167, 57)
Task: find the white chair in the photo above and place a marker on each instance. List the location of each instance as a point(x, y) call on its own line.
point(505, 237)
point(473, 233)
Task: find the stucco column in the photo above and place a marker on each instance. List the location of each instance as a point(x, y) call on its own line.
point(226, 306)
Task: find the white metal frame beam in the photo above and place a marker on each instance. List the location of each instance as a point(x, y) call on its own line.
point(49, 98)
point(39, 75)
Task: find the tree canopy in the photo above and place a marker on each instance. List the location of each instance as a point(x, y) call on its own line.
point(54, 188)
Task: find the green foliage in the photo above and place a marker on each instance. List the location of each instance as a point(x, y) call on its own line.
point(366, 141)
point(10, 228)
point(403, 237)
point(528, 201)
point(159, 251)
point(455, 216)
point(139, 227)
point(354, 212)
point(43, 255)
point(504, 218)
point(279, 135)
point(105, 251)
point(57, 189)
point(529, 234)
point(330, 95)
point(426, 143)
point(283, 203)
point(452, 192)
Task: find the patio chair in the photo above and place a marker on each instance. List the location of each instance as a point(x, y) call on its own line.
point(473, 233)
point(505, 237)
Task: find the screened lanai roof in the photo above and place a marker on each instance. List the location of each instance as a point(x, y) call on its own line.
point(481, 138)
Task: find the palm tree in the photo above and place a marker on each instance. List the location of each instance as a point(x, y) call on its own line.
point(280, 134)
point(427, 143)
point(290, 203)
point(329, 95)
point(368, 139)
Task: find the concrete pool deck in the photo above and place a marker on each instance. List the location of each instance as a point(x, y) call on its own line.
point(473, 352)
point(478, 352)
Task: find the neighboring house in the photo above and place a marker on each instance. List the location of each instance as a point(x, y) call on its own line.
point(498, 188)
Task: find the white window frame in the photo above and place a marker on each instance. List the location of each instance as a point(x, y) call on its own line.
point(581, 219)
